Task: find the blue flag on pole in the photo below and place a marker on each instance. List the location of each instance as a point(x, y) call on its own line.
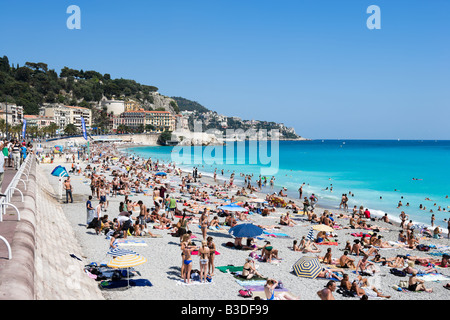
point(24, 128)
point(83, 125)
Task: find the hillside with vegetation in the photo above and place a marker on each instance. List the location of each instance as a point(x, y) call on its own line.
point(35, 84)
point(188, 105)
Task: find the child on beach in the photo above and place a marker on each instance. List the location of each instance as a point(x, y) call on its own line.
point(203, 255)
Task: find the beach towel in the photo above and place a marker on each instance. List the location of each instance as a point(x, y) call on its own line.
point(245, 283)
point(261, 288)
point(276, 234)
point(193, 282)
point(360, 234)
point(131, 242)
point(123, 284)
point(433, 277)
point(230, 268)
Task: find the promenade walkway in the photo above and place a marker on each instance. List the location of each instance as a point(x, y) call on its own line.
point(42, 242)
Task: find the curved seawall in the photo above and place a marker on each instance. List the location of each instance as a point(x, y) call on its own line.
point(41, 267)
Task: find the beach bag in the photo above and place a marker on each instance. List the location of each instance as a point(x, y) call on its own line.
point(398, 273)
point(422, 247)
point(195, 276)
point(245, 293)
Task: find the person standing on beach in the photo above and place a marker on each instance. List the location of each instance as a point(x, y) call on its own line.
point(172, 207)
point(212, 254)
point(403, 217)
point(90, 211)
point(142, 218)
point(68, 188)
point(300, 191)
point(305, 205)
point(203, 253)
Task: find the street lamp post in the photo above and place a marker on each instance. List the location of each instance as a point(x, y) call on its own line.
point(6, 112)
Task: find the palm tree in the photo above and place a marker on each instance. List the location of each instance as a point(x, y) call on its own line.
point(70, 129)
point(52, 129)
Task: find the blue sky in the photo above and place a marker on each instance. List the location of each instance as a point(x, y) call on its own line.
point(313, 65)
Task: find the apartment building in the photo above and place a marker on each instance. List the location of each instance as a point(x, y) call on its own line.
point(64, 115)
point(14, 114)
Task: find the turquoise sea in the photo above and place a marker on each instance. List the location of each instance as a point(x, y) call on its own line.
point(406, 171)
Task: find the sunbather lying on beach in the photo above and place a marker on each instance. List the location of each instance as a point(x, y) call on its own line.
point(328, 273)
point(310, 247)
point(410, 269)
point(369, 291)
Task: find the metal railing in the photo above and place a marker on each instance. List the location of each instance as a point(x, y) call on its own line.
point(5, 200)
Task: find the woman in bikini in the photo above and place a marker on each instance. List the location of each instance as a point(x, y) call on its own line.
point(249, 269)
point(269, 290)
point(184, 244)
point(204, 223)
point(415, 284)
point(268, 252)
point(212, 253)
point(203, 254)
point(187, 262)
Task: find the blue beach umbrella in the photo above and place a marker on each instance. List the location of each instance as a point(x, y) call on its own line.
point(307, 267)
point(161, 174)
point(245, 230)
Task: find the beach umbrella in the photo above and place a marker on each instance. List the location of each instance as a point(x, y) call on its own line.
point(232, 207)
point(310, 235)
point(322, 227)
point(160, 174)
point(245, 230)
point(127, 261)
point(307, 267)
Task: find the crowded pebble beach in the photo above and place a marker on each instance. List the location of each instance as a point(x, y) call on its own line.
point(180, 222)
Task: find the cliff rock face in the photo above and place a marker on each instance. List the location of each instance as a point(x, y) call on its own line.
point(161, 101)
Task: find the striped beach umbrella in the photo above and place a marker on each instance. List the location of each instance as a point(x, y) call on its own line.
point(307, 267)
point(322, 227)
point(127, 261)
point(118, 252)
point(310, 235)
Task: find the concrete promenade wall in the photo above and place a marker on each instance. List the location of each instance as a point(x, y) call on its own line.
point(41, 267)
point(17, 274)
